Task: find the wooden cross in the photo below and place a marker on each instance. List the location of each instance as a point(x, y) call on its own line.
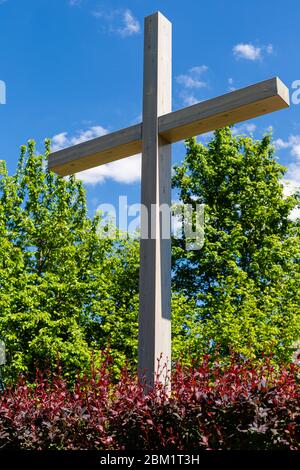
point(153, 137)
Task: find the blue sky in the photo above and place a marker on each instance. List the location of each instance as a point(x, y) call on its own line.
point(73, 71)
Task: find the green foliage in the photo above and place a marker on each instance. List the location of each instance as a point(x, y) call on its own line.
point(68, 291)
point(246, 278)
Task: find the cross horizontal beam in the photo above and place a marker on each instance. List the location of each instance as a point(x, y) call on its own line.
point(95, 152)
point(236, 106)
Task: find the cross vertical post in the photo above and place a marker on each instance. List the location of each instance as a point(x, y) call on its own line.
point(155, 264)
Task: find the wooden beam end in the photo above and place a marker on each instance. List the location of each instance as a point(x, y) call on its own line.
point(283, 92)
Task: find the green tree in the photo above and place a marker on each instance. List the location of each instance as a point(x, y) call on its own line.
point(66, 291)
point(246, 278)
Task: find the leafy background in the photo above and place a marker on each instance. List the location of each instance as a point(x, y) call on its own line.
point(69, 292)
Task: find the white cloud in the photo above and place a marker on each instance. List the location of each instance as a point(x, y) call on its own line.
point(199, 69)
point(247, 51)
point(250, 52)
point(292, 177)
point(192, 78)
point(293, 143)
point(295, 214)
point(191, 81)
point(74, 3)
point(121, 22)
point(131, 24)
point(188, 99)
point(62, 140)
point(245, 128)
point(281, 144)
point(231, 84)
point(269, 49)
point(127, 170)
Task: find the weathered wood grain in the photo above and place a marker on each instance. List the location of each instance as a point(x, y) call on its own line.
point(155, 266)
point(95, 152)
point(255, 100)
point(237, 106)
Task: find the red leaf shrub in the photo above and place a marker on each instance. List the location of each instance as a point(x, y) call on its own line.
point(211, 407)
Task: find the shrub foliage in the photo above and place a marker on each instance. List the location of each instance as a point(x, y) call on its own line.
point(236, 406)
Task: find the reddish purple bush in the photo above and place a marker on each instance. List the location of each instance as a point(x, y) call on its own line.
point(211, 407)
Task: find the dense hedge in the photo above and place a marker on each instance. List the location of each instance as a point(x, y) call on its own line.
point(237, 406)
